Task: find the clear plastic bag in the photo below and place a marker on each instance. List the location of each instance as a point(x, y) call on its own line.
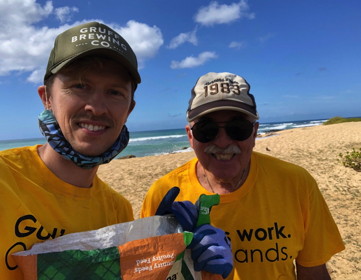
point(149, 248)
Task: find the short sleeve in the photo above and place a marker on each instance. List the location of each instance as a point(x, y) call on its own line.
point(322, 238)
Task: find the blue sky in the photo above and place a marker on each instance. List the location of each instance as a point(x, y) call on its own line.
point(301, 58)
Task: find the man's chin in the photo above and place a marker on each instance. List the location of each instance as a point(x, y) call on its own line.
point(89, 150)
point(225, 171)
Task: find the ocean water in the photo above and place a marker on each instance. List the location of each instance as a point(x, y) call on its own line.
point(156, 142)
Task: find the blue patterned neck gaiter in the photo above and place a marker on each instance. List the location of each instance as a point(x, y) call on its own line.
point(49, 127)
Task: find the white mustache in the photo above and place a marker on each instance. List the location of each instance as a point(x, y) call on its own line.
point(213, 149)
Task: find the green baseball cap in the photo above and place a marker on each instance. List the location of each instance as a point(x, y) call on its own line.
point(91, 38)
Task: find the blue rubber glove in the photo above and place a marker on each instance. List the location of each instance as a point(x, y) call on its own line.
point(185, 212)
point(211, 251)
point(210, 248)
point(165, 206)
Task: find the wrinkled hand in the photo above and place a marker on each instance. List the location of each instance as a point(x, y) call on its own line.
point(185, 212)
point(211, 251)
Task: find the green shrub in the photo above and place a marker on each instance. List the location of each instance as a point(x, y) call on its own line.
point(352, 159)
point(341, 120)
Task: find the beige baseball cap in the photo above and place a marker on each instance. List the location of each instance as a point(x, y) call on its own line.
point(91, 38)
point(221, 91)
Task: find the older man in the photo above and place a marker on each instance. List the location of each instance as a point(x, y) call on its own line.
point(271, 210)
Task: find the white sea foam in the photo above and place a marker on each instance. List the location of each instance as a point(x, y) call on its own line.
point(155, 138)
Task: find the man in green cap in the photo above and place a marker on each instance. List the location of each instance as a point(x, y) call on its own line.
point(51, 190)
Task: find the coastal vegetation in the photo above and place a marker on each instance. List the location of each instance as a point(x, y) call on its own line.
point(352, 158)
point(335, 120)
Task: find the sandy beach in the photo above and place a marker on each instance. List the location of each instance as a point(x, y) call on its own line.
point(314, 148)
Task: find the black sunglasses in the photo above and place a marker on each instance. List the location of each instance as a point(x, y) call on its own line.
point(206, 130)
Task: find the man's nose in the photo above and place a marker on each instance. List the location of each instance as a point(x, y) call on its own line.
point(96, 103)
point(222, 139)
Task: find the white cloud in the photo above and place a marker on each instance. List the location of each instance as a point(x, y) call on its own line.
point(25, 47)
point(64, 14)
point(236, 45)
point(191, 61)
point(36, 76)
point(22, 12)
point(266, 37)
point(145, 40)
point(216, 13)
point(182, 38)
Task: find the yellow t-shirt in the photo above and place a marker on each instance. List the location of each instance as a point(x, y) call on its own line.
point(276, 217)
point(36, 205)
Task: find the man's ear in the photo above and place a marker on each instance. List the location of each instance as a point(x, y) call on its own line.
point(131, 107)
point(255, 130)
point(189, 134)
point(44, 96)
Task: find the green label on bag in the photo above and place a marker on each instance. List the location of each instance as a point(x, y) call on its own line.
point(205, 204)
point(102, 264)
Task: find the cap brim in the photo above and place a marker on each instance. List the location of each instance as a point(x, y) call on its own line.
point(105, 52)
point(219, 106)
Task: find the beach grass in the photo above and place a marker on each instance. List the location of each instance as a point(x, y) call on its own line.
point(351, 158)
point(335, 120)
